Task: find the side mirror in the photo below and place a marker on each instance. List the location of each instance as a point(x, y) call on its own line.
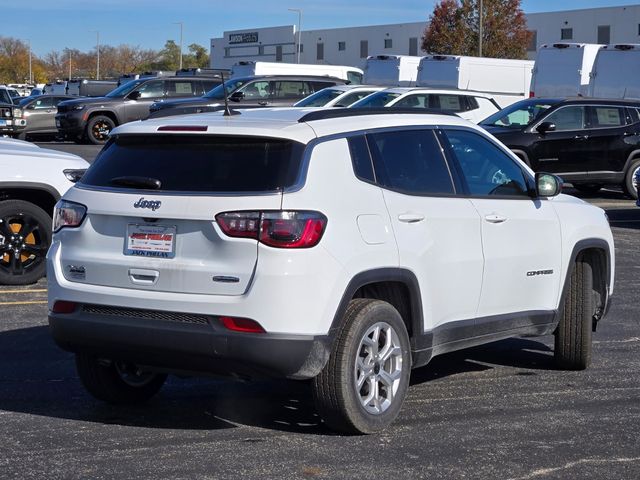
point(236, 96)
point(135, 95)
point(545, 127)
point(548, 185)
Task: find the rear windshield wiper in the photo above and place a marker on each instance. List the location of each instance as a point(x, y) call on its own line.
point(137, 182)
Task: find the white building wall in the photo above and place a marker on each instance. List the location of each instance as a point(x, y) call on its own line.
point(624, 23)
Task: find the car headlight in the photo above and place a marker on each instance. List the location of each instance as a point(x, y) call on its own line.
point(17, 113)
point(7, 113)
point(78, 107)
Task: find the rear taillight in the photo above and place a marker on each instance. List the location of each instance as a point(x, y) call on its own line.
point(68, 214)
point(532, 94)
point(281, 229)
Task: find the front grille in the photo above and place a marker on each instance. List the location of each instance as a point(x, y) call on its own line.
point(148, 314)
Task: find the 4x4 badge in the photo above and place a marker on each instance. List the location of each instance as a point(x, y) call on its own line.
point(152, 204)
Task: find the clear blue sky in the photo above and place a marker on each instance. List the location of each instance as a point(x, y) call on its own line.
point(56, 24)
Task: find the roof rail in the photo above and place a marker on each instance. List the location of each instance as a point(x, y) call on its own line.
point(336, 112)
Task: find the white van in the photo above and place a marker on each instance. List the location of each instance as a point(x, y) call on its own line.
point(563, 69)
point(55, 88)
point(391, 70)
point(616, 72)
point(506, 80)
point(249, 68)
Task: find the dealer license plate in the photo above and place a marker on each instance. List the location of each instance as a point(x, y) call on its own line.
point(150, 241)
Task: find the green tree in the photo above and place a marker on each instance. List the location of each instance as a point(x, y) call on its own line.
point(453, 29)
point(198, 57)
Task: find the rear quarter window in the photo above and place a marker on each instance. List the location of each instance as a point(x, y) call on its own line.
point(199, 163)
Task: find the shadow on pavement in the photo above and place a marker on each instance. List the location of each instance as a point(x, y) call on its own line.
point(624, 217)
point(38, 378)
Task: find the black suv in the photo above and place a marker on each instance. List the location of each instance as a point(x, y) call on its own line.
point(92, 119)
point(588, 142)
point(250, 92)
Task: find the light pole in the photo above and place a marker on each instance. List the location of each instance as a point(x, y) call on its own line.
point(30, 72)
point(480, 31)
point(299, 32)
point(180, 23)
point(69, 64)
point(98, 52)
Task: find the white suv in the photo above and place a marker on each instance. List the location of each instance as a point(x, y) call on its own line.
point(344, 246)
point(33, 180)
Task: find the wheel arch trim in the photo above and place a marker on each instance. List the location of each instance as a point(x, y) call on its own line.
point(380, 275)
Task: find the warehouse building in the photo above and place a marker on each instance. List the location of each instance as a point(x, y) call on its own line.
point(352, 45)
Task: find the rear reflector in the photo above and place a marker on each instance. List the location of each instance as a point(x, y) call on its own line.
point(244, 325)
point(183, 128)
point(62, 306)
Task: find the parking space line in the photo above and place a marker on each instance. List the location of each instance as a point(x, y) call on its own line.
point(37, 290)
point(34, 302)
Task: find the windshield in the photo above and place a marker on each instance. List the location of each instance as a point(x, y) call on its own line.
point(125, 89)
point(379, 99)
point(319, 99)
point(4, 96)
point(231, 85)
point(519, 114)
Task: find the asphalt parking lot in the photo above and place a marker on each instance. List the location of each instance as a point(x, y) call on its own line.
point(499, 411)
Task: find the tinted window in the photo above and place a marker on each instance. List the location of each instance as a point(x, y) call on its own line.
point(198, 163)
point(319, 99)
point(319, 85)
point(361, 159)
point(606, 117)
point(379, 99)
point(567, 118)
point(410, 162)
point(291, 89)
point(43, 103)
point(152, 89)
point(486, 169)
point(209, 84)
point(182, 88)
point(352, 97)
point(517, 115)
point(259, 89)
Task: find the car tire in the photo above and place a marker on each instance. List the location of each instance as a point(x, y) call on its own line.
point(117, 382)
point(588, 188)
point(27, 228)
point(573, 335)
point(357, 358)
point(98, 129)
point(629, 184)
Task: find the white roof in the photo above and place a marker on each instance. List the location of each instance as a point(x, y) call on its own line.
point(282, 123)
point(406, 90)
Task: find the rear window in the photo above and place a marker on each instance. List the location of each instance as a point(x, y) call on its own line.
point(199, 163)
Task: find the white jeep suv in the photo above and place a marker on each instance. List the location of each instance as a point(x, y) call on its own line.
point(345, 246)
point(33, 180)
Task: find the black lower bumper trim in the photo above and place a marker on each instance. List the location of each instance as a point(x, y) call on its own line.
point(190, 347)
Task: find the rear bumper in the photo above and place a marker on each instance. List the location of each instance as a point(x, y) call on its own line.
point(70, 124)
point(200, 346)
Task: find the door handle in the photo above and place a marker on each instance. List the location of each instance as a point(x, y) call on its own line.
point(581, 137)
point(629, 134)
point(410, 217)
point(495, 218)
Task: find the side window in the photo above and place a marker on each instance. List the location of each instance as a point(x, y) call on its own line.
point(448, 103)
point(258, 89)
point(487, 170)
point(472, 103)
point(291, 89)
point(209, 85)
point(354, 78)
point(567, 118)
point(606, 117)
point(319, 85)
point(361, 159)
point(413, 101)
point(43, 103)
point(57, 100)
point(181, 89)
point(632, 116)
point(153, 89)
point(410, 162)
